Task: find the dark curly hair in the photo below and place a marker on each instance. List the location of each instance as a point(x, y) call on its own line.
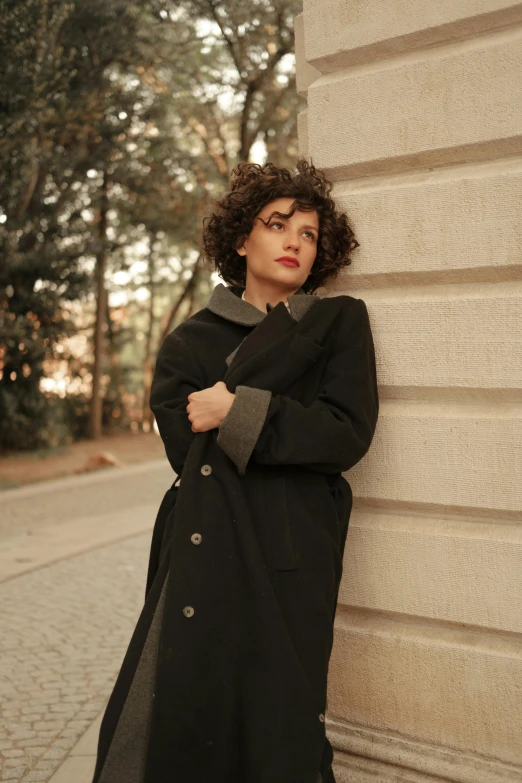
point(252, 186)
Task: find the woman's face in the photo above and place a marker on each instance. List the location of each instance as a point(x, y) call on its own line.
point(295, 237)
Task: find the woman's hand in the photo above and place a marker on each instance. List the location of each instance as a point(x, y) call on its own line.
point(207, 408)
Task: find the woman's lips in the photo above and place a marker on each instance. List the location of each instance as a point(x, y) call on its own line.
point(287, 262)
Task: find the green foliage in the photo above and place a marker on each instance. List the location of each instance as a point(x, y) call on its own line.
point(69, 416)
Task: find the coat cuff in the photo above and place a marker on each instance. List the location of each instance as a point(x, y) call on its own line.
point(241, 427)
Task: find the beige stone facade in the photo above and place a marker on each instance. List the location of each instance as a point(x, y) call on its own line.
point(415, 112)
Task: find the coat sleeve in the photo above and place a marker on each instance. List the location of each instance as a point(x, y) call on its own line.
point(177, 374)
point(330, 435)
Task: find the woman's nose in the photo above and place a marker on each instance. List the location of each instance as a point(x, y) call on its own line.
point(292, 242)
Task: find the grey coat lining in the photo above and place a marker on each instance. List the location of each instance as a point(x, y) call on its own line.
point(127, 754)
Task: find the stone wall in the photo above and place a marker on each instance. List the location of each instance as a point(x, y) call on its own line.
point(415, 112)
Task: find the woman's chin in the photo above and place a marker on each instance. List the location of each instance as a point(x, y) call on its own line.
point(288, 275)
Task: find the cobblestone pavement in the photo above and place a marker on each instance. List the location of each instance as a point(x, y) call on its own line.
point(64, 630)
point(64, 627)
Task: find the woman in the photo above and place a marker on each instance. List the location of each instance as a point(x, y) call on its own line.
point(263, 398)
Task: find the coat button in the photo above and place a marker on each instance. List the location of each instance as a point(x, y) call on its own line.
point(321, 717)
point(196, 538)
point(188, 611)
point(206, 470)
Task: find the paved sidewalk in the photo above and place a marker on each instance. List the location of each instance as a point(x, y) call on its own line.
point(43, 523)
point(72, 589)
point(78, 766)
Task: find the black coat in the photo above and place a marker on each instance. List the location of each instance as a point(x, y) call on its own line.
point(225, 678)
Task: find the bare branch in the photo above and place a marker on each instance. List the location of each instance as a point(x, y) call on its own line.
point(266, 118)
point(228, 40)
point(187, 291)
point(254, 86)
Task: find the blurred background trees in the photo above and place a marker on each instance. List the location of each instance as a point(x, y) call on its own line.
point(120, 121)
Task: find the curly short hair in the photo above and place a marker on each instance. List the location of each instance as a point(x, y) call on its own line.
point(252, 186)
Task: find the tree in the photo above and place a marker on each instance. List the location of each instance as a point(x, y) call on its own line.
point(40, 270)
point(121, 122)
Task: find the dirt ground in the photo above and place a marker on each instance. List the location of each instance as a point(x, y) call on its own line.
point(125, 448)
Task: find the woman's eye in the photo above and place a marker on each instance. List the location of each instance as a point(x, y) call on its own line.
point(278, 223)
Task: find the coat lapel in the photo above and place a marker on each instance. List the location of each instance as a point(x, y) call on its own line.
point(227, 303)
point(274, 354)
point(277, 350)
point(280, 349)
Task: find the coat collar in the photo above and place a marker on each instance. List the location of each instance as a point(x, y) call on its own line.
point(226, 302)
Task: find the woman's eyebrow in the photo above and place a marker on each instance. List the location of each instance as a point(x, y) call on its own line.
point(278, 214)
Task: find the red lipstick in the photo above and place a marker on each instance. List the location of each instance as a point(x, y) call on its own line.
point(288, 261)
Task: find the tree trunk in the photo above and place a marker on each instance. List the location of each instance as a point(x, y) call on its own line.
point(146, 415)
point(188, 292)
point(95, 429)
point(173, 312)
point(116, 384)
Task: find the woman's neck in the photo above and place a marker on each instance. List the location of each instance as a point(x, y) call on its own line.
point(260, 295)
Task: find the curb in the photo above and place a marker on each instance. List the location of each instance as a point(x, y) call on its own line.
point(78, 765)
point(80, 480)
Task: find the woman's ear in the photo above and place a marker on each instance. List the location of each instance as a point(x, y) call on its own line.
point(241, 250)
